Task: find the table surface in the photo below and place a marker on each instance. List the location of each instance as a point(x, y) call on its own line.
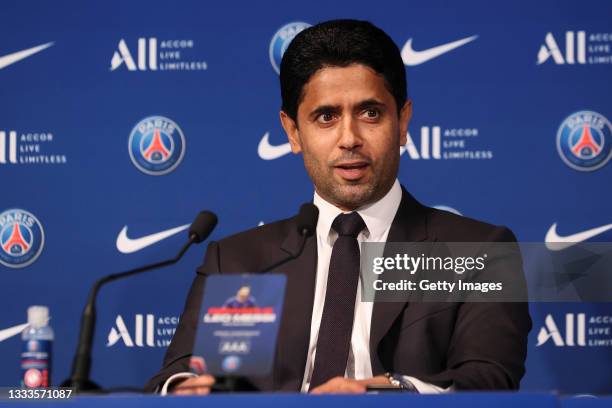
point(468, 399)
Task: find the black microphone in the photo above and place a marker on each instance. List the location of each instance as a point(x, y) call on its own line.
point(306, 225)
point(200, 229)
point(307, 219)
point(202, 226)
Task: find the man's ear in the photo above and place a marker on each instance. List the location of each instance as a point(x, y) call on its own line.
point(404, 119)
point(292, 132)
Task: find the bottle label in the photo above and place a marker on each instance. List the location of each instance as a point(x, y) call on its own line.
point(36, 363)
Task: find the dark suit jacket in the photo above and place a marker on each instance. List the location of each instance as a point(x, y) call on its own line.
point(471, 345)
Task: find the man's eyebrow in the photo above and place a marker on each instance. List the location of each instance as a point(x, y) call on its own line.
point(369, 103)
point(365, 104)
point(324, 109)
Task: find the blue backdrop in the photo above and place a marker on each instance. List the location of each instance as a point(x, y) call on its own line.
point(495, 135)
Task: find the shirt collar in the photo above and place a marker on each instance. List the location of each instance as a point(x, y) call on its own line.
point(377, 216)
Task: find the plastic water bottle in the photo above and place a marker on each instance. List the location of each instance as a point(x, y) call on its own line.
point(36, 356)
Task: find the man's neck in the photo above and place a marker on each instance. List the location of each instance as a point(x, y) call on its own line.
point(350, 208)
point(377, 215)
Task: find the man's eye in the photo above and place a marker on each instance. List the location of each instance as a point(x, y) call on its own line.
point(372, 113)
point(326, 117)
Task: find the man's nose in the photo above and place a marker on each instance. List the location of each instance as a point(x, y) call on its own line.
point(350, 135)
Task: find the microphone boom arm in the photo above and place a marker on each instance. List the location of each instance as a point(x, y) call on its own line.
point(79, 378)
point(200, 229)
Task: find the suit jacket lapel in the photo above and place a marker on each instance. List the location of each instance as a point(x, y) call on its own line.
point(409, 225)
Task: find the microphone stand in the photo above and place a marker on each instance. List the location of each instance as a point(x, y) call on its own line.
point(81, 366)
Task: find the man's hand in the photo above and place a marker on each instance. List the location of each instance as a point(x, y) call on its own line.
point(195, 386)
point(341, 385)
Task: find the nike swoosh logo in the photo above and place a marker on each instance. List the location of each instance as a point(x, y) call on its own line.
point(412, 57)
point(268, 152)
point(128, 245)
point(12, 331)
point(10, 59)
point(555, 242)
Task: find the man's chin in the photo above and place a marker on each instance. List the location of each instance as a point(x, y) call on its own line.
point(353, 195)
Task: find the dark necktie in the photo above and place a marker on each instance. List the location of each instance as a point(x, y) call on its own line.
point(336, 327)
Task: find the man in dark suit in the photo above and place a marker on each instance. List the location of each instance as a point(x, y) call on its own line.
point(346, 110)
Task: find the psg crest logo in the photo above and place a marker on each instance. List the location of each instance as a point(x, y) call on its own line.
point(21, 238)
point(281, 40)
point(156, 145)
point(231, 363)
point(584, 141)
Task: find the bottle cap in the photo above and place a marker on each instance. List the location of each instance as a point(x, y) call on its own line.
point(38, 316)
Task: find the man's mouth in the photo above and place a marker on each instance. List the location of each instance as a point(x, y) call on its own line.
point(351, 170)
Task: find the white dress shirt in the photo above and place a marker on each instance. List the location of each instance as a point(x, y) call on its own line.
point(377, 218)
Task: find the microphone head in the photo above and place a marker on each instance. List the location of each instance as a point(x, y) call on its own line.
point(307, 219)
point(202, 226)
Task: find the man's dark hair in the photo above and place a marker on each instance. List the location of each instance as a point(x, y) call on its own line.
point(340, 43)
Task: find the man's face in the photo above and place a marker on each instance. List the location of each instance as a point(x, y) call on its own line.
point(349, 133)
point(243, 293)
